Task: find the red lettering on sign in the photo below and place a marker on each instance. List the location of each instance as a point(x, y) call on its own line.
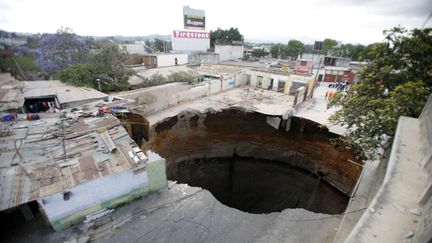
point(191, 34)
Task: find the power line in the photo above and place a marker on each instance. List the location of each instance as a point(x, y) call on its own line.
point(427, 19)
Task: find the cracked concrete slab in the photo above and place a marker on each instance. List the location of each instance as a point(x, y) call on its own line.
point(191, 214)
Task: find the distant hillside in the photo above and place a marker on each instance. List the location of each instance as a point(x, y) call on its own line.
point(136, 38)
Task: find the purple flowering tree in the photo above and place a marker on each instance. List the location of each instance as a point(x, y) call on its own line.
point(57, 51)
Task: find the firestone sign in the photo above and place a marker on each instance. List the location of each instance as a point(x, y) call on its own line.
point(191, 34)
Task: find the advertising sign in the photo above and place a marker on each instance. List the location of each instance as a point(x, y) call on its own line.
point(194, 22)
point(191, 34)
point(318, 46)
point(193, 18)
point(184, 40)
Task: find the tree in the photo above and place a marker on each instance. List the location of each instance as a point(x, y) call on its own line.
point(366, 53)
point(396, 83)
point(225, 36)
point(57, 51)
point(20, 62)
point(308, 48)
point(259, 52)
point(294, 48)
point(278, 51)
point(328, 45)
point(109, 67)
point(79, 75)
point(355, 52)
point(17, 64)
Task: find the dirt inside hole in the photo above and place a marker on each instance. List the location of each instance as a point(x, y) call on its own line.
point(261, 186)
point(272, 168)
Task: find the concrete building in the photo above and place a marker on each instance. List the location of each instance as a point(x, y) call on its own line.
point(61, 94)
point(337, 61)
point(229, 51)
point(303, 66)
point(164, 60)
point(338, 74)
point(39, 96)
point(70, 166)
point(279, 81)
point(95, 166)
point(133, 48)
point(315, 57)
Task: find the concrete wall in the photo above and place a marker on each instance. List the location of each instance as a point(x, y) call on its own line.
point(266, 79)
point(106, 192)
point(289, 82)
point(203, 57)
point(79, 103)
point(403, 202)
point(424, 229)
point(166, 60)
point(157, 98)
point(316, 58)
point(133, 48)
point(304, 69)
point(87, 194)
point(299, 96)
point(229, 52)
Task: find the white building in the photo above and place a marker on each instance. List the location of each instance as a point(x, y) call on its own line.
point(164, 60)
point(229, 51)
point(189, 41)
point(133, 48)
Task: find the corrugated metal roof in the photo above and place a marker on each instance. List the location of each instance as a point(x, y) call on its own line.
point(32, 163)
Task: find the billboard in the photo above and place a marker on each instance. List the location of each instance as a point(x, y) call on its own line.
point(193, 18)
point(318, 46)
point(183, 40)
point(191, 34)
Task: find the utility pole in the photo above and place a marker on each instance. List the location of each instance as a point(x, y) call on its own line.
point(279, 51)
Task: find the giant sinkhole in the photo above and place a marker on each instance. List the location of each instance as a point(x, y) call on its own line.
point(251, 166)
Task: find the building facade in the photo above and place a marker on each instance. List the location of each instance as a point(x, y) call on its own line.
point(229, 51)
point(164, 60)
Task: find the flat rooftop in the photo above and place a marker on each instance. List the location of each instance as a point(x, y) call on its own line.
point(65, 93)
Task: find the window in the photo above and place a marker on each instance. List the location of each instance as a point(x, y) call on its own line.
point(303, 63)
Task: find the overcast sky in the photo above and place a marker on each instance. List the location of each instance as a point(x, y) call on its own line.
point(353, 21)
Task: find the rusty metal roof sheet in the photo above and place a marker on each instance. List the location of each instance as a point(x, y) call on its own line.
point(32, 159)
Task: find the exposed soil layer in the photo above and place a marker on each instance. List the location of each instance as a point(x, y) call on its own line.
point(191, 137)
